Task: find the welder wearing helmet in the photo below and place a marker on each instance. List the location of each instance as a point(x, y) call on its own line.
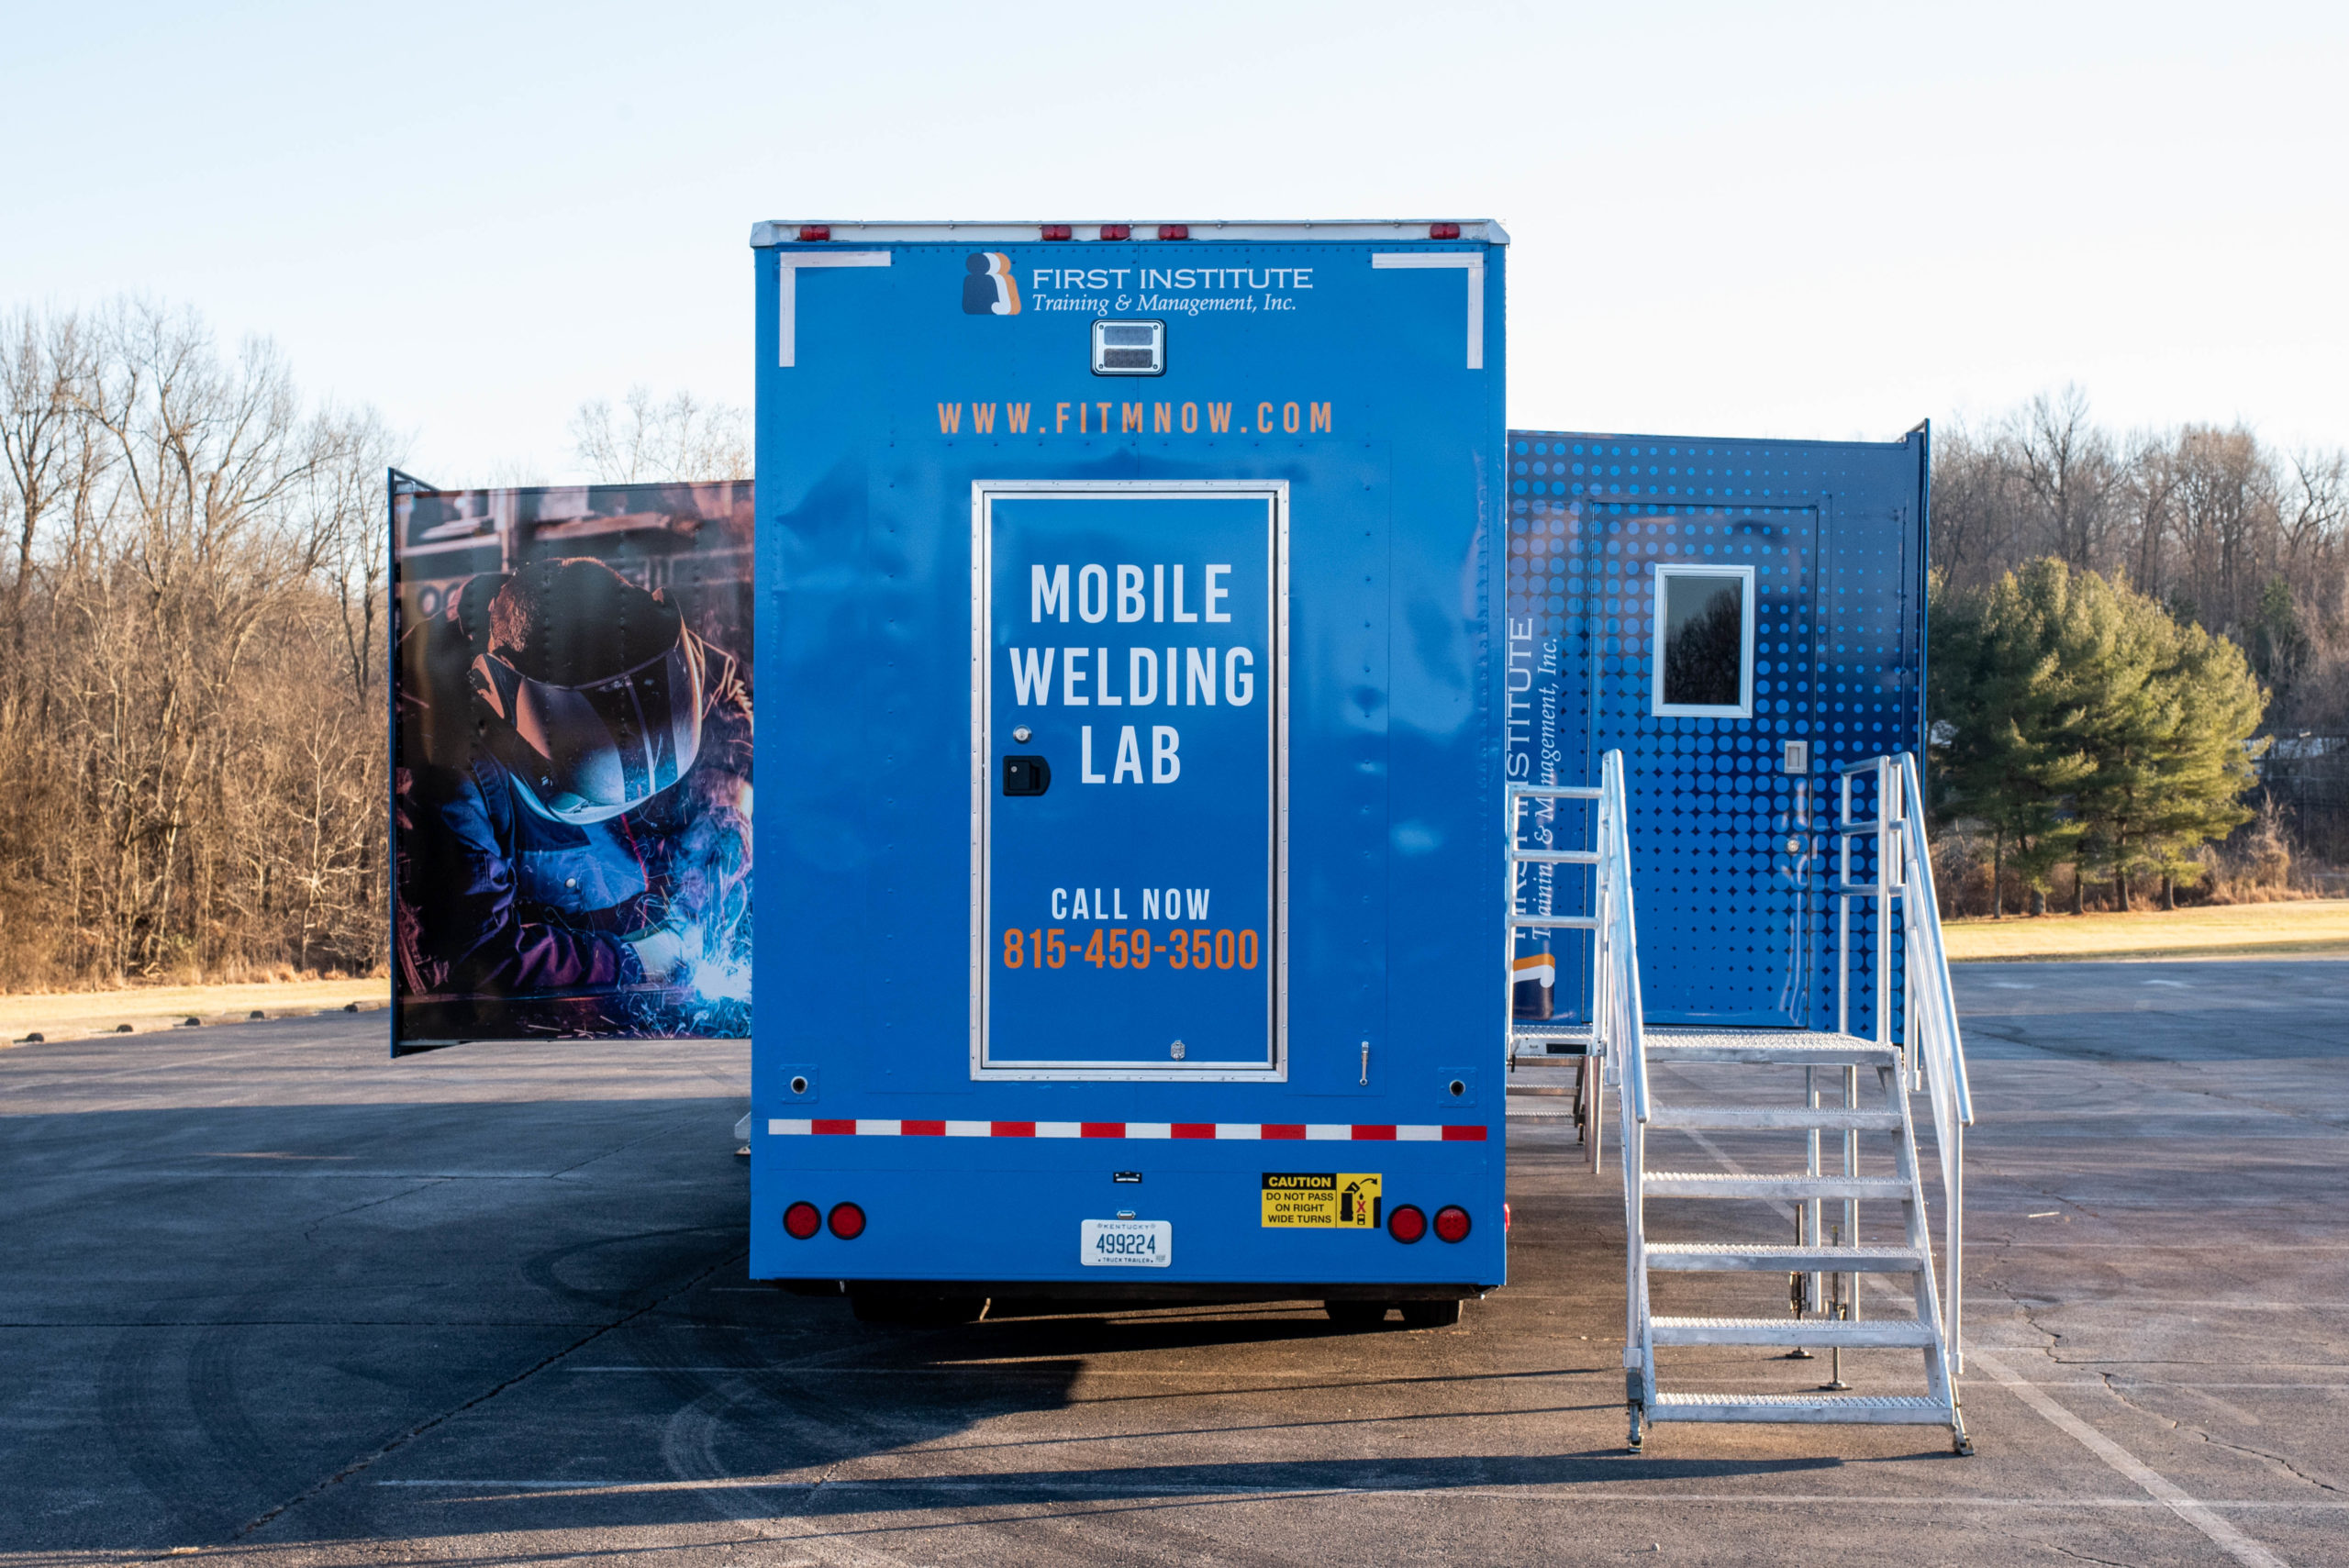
point(547, 716)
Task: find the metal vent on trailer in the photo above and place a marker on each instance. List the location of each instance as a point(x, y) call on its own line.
point(1129, 347)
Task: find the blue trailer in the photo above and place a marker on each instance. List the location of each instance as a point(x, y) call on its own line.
point(1206, 760)
point(1132, 736)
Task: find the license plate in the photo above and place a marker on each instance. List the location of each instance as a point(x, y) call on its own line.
point(1126, 1243)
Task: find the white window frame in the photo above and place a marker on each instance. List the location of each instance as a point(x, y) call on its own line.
point(1752, 613)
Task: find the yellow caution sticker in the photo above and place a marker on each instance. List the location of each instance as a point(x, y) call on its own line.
point(1324, 1200)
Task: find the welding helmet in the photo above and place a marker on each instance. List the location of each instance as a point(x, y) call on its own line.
point(595, 683)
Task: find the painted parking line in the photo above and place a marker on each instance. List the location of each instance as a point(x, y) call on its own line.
point(2236, 1544)
point(2233, 1542)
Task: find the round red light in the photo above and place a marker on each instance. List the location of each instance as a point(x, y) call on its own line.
point(812, 233)
point(1443, 231)
point(848, 1221)
point(1407, 1224)
point(1174, 231)
point(1451, 1222)
point(1116, 231)
point(1057, 232)
point(800, 1220)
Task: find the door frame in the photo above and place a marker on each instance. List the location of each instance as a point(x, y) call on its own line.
point(984, 493)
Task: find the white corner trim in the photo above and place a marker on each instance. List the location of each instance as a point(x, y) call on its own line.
point(787, 290)
point(1472, 263)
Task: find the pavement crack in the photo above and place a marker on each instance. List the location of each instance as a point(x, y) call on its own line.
point(2178, 1425)
point(2085, 1557)
point(420, 1428)
point(309, 1232)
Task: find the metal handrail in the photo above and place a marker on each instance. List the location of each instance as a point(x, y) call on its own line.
point(1617, 1022)
point(1619, 1033)
point(1614, 1053)
point(1930, 1040)
point(1936, 1048)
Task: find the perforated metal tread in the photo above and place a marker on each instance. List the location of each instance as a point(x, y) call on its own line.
point(1774, 1118)
point(1766, 1048)
point(1896, 1332)
point(1708, 1183)
point(1768, 1258)
point(1860, 1410)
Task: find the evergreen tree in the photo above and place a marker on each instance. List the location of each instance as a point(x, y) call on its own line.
point(2166, 712)
point(2207, 768)
point(2080, 720)
point(2002, 695)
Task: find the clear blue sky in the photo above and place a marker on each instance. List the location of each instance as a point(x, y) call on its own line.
point(1729, 219)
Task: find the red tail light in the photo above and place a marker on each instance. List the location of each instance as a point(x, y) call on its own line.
point(1116, 231)
point(1407, 1224)
point(848, 1221)
point(1058, 231)
point(811, 232)
point(1451, 1223)
point(1174, 231)
point(800, 1220)
point(1443, 231)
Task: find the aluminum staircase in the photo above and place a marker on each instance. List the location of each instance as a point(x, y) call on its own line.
point(1827, 1255)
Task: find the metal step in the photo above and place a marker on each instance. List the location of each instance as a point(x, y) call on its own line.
point(1869, 1332)
point(1733, 1119)
point(1860, 1410)
point(1763, 1258)
point(1791, 1189)
point(1819, 1050)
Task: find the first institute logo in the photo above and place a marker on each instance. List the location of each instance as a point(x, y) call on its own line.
point(989, 290)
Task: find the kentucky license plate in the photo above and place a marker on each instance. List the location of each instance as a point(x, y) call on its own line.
point(1126, 1243)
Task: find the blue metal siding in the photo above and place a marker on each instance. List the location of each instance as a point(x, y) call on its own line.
point(1394, 876)
point(1734, 928)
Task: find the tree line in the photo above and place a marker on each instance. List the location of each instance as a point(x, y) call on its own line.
point(191, 618)
point(192, 625)
point(2118, 625)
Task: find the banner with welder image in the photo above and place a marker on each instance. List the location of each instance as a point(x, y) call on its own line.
point(571, 832)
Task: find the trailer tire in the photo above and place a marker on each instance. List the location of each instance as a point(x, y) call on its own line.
point(1356, 1313)
point(1430, 1313)
point(917, 1311)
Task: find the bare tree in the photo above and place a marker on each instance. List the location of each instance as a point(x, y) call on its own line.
point(2068, 467)
point(191, 718)
point(651, 442)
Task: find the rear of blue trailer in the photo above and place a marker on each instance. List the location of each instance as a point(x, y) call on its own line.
point(1132, 723)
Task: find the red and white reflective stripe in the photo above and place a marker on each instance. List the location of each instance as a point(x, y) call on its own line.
point(1218, 1131)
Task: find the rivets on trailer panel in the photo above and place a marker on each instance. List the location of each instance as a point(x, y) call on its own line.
point(1020, 735)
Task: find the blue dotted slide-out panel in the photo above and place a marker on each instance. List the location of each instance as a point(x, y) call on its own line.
point(1731, 856)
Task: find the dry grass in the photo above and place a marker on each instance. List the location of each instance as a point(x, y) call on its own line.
point(2244, 930)
point(64, 1015)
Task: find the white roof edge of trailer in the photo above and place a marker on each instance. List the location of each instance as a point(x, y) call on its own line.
point(780, 231)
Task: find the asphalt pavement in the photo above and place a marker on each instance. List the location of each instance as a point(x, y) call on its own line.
point(269, 1295)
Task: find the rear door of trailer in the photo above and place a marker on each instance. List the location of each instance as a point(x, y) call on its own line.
point(1131, 890)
